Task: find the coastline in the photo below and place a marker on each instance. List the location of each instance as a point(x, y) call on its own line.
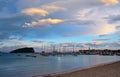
point(103, 70)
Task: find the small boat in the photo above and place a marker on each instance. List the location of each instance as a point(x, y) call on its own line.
point(19, 54)
point(27, 55)
point(31, 56)
point(34, 56)
point(75, 54)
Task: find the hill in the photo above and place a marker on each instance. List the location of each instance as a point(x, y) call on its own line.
point(23, 50)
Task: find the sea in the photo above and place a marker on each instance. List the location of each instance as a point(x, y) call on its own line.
point(22, 65)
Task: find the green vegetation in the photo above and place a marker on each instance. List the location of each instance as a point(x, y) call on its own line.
point(23, 50)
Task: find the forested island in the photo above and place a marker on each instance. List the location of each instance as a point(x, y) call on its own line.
point(23, 50)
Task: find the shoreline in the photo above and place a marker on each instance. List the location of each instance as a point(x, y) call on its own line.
point(111, 70)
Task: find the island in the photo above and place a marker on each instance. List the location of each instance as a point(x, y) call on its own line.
point(24, 50)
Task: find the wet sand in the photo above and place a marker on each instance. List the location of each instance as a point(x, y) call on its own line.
point(106, 70)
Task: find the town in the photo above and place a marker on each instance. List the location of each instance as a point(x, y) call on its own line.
point(84, 52)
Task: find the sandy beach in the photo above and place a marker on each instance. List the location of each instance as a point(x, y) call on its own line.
point(106, 70)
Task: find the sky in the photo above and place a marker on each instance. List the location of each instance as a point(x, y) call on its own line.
point(83, 23)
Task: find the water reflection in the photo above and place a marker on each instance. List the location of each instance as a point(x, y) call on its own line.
point(12, 65)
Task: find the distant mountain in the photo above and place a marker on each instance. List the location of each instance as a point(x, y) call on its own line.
point(23, 50)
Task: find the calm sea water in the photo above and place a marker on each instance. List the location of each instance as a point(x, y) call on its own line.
point(12, 65)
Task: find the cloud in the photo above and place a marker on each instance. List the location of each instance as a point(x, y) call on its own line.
point(99, 45)
point(111, 13)
point(106, 29)
point(110, 2)
point(114, 18)
point(64, 44)
point(12, 26)
point(24, 4)
point(67, 35)
point(101, 25)
point(51, 21)
point(83, 45)
point(15, 42)
point(96, 43)
point(103, 35)
point(61, 19)
point(78, 21)
point(1, 43)
point(43, 22)
point(103, 39)
point(35, 11)
point(18, 43)
point(39, 41)
point(97, 29)
point(75, 4)
point(52, 8)
point(118, 35)
point(118, 42)
point(118, 27)
point(84, 30)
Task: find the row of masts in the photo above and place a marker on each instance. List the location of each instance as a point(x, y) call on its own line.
point(52, 47)
point(67, 47)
